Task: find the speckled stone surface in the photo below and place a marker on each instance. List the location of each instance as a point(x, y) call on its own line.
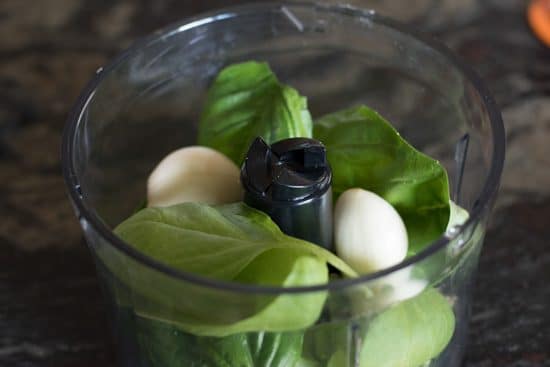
point(51, 311)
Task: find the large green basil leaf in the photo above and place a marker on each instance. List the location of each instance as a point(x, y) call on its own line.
point(225, 242)
point(365, 151)
point(410, 333)
point(245, 101)
point(163, 345)
point(231, 243)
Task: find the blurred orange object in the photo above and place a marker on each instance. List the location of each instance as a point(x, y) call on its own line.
point(538, 15)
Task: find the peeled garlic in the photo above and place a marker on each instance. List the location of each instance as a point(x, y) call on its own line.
point(197, 174)
point(369, 234)
point(396, 287)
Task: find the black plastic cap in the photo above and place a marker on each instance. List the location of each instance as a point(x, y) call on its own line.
point(291, 182)
point(290, 170)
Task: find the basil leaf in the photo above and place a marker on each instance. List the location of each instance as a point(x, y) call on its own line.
point(222, 242)
point(275, 349)
point(410, 333)
point(231, 243)
point(365, 151)
point(458, 215)
point(441, 264)
point(321, 341)
point(245, 101)
point(163, 345)
point(339, 358)
point(304, 362)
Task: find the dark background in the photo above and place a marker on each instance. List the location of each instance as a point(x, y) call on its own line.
point(51, 311)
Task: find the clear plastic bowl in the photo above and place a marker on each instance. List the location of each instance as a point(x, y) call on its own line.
point(147, 102)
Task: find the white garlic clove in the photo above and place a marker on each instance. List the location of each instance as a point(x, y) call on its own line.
point(194, 174)
point(386, 291)
point(369, 234)
point(397, 287)
point(406, 289)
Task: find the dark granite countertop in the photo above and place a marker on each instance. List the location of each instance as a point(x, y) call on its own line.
point(51, 311)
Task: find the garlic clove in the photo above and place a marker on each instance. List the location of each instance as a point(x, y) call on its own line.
point(386, 291)
point(397, 287)
point(194, 174)
point(369, 234)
